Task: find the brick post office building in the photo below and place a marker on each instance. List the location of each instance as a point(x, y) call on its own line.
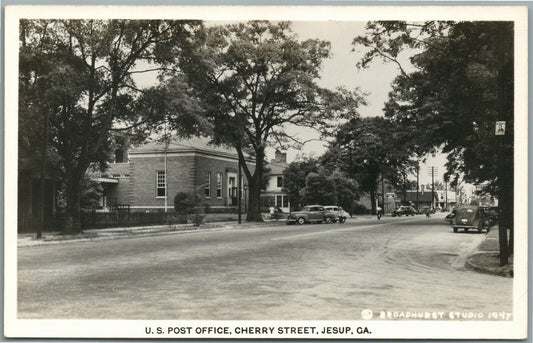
point(152, 174)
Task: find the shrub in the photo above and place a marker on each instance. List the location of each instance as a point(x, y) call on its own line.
point(189, 205)
point(360, 209)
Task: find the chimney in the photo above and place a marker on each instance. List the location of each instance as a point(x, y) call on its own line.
point(280, 157)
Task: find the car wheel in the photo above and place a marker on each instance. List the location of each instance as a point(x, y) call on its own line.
point(455, 229)
point(301, 220)
point(328, 220)
point(466, 230)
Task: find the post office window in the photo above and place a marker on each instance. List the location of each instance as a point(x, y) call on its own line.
point(219, 185)
point(161, 183)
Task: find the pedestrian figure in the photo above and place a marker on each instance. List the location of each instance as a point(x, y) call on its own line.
point(428, 213)
point(379, 212)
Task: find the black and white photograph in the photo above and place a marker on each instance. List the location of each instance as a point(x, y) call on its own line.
point(252, 172)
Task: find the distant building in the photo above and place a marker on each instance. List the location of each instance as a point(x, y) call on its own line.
point(446, 199)
point(273, 194)
point(151, 175)
point(410, 198)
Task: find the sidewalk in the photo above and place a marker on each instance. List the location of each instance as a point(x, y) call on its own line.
point(51, 238)
point(486, 258)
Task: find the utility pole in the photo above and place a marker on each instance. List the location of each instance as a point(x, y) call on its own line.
point(417, 187)
point(166, 178)
point(167, 142)
point(432, 171)
point(446, 193)
point(382, 194)
point(239, 191)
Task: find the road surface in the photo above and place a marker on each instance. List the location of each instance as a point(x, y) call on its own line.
point(307, 272)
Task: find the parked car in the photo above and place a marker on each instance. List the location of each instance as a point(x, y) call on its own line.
point(470, 218)
point(311, 214)
point(491, 212)
point(340, 214)
point(404, 211)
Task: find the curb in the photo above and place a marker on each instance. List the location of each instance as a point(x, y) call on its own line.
point(477, 261)
point(123, 233)
point(506, 271)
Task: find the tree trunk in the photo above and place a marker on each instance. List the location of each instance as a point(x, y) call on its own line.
point(254, 205)
point(255, 184)
point(373, 201)
point(44, 146)
point(73, 220)
point(505, 164)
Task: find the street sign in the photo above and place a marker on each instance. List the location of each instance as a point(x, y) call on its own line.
point(500, 128)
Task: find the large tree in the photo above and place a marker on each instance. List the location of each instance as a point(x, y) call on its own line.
point(78, 75)
point(256, 80)
point(311, 181)
point(462, 84)
point(371, 149)
point(294, 179)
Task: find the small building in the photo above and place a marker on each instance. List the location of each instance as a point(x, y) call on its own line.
point(155, 172)
point(273, 196)
point(410, 198)
point(446, 199)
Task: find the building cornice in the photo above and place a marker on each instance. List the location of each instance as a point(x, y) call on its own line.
point(188, 153)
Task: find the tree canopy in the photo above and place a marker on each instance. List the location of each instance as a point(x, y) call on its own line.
point(78, 74)
point(311, 182)
point(369, 149)
point(256, 79)
point(462, 84)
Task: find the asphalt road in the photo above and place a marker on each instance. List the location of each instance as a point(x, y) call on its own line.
point(315, 271)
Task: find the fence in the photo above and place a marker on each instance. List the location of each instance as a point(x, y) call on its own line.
point(95, 220)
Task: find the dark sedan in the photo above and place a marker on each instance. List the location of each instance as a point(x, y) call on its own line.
point(311, 214)
point(404, 211)
point(470, 218)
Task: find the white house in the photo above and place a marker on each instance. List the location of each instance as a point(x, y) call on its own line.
point(274, 189)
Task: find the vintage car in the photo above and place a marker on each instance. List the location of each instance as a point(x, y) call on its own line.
point(470, 218)
point(311, 214)
point(340, 214)
point(404, 210)
point(491, 212)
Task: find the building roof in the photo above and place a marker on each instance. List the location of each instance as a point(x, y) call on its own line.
point(195, 144)
point(422, 196)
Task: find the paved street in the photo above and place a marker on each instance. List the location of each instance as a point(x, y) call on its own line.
point(292, 272)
